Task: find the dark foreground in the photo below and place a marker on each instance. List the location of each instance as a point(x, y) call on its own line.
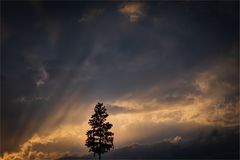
point(212, 146)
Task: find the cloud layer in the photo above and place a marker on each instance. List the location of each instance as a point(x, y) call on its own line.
point(133, 10)
point(160, 68)
point(63, 141)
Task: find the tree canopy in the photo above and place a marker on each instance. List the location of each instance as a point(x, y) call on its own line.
point(99, 138)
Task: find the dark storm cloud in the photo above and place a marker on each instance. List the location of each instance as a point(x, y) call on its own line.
point(90, 15)
point(215, 145)
point(208, 143)
point(113, 109)
point(92, 51)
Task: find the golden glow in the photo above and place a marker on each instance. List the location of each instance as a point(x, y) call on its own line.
point(133, 10)
point(32, 149)
point(142, 110)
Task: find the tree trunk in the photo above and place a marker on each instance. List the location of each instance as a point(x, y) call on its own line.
point(99, 156)
point(100, 142)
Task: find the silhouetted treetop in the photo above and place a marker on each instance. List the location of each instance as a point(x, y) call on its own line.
point(99, 138)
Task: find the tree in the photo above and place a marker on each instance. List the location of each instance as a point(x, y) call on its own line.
point(99, 138)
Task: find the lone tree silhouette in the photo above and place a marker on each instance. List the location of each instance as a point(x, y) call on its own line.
point(99, 138)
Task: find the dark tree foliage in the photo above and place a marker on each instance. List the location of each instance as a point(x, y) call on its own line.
point(99, 138)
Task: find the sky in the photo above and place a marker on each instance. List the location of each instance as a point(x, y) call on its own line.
point(166, 71)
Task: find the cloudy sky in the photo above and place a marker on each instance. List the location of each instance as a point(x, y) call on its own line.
point(166, 71)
